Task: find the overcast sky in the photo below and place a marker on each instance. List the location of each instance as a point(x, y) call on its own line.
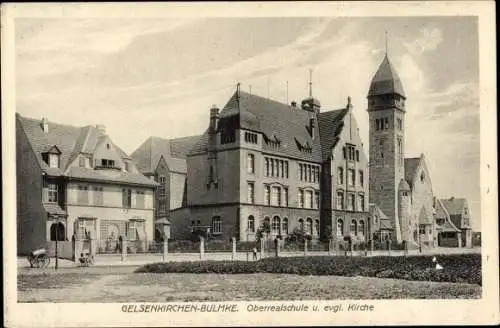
point(143, 77)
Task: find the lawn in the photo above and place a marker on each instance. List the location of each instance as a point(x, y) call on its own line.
point(120, 285)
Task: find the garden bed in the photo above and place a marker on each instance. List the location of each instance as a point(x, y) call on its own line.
point(460, 268)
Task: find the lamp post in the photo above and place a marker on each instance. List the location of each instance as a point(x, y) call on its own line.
point(57, 238)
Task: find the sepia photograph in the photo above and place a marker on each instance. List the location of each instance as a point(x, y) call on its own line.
point(312, 162)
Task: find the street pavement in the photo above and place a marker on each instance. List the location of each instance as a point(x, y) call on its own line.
point(142, 259)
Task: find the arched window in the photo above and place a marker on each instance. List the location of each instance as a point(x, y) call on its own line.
point(340, 227)
point(275, 227)
point(216, 224)
point(301, 224)
point(309, 227)
point(251, 224)
point(361, 231)
point(284, 229)
point(316, 227)
point(57, 231)
point(354, 227)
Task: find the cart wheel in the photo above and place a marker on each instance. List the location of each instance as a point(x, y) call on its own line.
point(46, 261)
point(36, 263)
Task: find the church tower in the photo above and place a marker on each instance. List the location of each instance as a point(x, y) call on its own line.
point(386, 111)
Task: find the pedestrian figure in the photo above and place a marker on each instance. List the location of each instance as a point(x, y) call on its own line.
point(254, 251)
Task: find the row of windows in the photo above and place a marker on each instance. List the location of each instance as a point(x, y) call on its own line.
point(308, 173)
point(279, 226)
point(277, 168)
point(273, 196)
point(382, 123)
point(351, 177)
point(305, 198)
point(251, 137)
point(98, 196)
point(352, 205)
point(357, 229)
point(351, 153)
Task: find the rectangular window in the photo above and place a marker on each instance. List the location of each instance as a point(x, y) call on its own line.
point(286, 169)
point(52, 193)
point(139, 199)
point(309, 173)
point(126, 198)
point(276, 196)
point(309, 198)
point(267, 195)
point(386, 123)
point(351, 205)
point(267, 166)
point(301, 172)
point(316, 200)
point(400, 124)
point(108, 163)
point(250, 163)
point(421, 229)
point(83, 194)
point(340, 200)
point(357, 155)
point(351, 177)
point(82, 161)
point(361, 178)
point(277, 165)
point(301, 198)
point(272, 167)
point(285, 197)
point(53, 160)
point(251, 192)
point(340, 175)
point(251, 225)
point(282, 168)
point(97, 193)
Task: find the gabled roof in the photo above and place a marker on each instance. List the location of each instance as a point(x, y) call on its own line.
point(83, 173)
point(442, 213)
point(330, 125)
point(411, 166)
point(454, 206)
point(174, 152)
point(71, 141)
point(271, 118)
point(386, 80)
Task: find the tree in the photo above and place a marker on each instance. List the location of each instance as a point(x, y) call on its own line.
point(297, 236)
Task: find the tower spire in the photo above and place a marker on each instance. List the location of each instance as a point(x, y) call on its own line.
point(310, 83)
point(386, 47)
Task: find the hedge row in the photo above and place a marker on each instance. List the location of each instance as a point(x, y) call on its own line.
point(463, 268)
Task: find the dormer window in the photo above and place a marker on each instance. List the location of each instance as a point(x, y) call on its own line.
point(54, 160)
point(52, 157)
point(108, 163)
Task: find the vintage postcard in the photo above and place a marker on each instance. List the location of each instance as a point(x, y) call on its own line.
point(249, 164)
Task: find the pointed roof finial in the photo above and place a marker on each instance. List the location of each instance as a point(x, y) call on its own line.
point(238, 94)
point(348, 100)
point(386, 47)
point(310, 82)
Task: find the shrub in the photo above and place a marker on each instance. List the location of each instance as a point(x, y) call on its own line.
point(465, 268)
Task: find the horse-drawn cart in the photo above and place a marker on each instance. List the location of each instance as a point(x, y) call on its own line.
point(39, 258)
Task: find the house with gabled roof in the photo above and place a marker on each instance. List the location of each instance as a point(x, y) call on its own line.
point(265, 163)
point(164, 161)
point(453, 222)
point(76, 184)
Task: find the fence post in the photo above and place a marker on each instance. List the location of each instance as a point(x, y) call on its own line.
point(202, 247)
point(330, 244)
point(305, 246)
point(234, 249)
point(371, 245)
point(262, 248)
point(124, 249)
point(389, 247)
point(277, 248)
point(93, 249)
point(165, 249)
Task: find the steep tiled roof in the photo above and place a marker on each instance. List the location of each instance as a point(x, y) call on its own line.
point(454, 206)
point(71, 141)
point(275, 120)
point(411, 166)
point(174, 151)
point(386, 80)
point(442, 213)
point(330, 125)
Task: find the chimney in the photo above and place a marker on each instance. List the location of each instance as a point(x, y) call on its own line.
point(101, 128)
point(294, 104)
point(214, 118)
point(312, 122)
point(45, 125)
